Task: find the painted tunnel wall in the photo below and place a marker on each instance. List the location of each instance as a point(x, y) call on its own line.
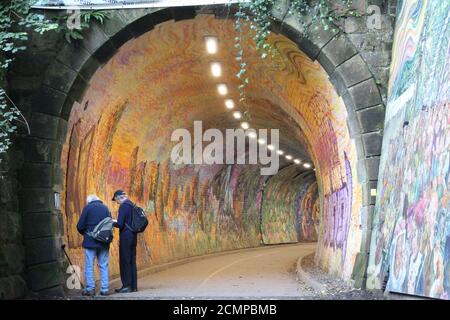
point(411, 237)
point(289, 210)
point(119, 137)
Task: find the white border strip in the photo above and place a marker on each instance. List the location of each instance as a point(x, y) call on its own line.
point(157, 4)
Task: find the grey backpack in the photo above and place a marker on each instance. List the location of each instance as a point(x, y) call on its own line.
point(103, 231)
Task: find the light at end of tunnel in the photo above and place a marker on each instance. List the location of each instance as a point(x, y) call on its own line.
point(297, 161)
point(373, 192)
point(270, 147)
point(261, 141)
point(252, 134)
point(216, 69)
point(212, 44)
point(245, 125)
point(222, 89)
point(280, 152)
point(307, 165)
point(237, 115)
point(229, 103)
point(289, 157)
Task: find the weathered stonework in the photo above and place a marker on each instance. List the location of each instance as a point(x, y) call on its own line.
point(356, 61)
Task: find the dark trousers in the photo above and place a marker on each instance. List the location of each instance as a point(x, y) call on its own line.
point(127, 256)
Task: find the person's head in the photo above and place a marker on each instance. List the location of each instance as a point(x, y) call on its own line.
point(120, 196)
point(91, 197)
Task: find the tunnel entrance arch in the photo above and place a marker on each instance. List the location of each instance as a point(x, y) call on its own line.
point(67, 78)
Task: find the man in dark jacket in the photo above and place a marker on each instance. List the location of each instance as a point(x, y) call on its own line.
point(94, 212)
point(127, 243)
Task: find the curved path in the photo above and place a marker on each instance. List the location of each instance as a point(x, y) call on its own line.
point(256, 273)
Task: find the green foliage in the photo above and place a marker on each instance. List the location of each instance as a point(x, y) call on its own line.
point(17, 21)
point(259, 15)
point(73, 25)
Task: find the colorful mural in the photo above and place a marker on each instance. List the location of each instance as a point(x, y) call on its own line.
point(119, 137)
point(411, 239)
point(287, 210)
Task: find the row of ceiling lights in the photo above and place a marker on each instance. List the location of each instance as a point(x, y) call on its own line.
point(212, 47)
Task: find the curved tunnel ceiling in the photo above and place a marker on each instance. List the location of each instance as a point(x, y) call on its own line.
point(161, 81)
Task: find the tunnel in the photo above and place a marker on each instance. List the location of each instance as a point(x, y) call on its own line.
point(119, 137)
point(354, 119)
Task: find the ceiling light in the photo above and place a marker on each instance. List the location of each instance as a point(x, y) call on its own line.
point(261, 141)
point(222, 89)
point(270, 147)
point(216, 69)
point(212, 44)
point(280, 152)
point(229, 103)
point(307, 165)
point(289, 157)
point(245, 125)
point(297, 161)
point(237, 115)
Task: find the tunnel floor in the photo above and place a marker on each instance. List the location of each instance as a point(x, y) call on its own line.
point(259, 273)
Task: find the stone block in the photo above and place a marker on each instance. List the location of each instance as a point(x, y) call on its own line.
point(62, 131)
point(49, 101)
point(372, 143)
point(11, 258)
point(89, 68)
point(365, 94)
point(94, 38)
point(44, 126)
point(78, 88)
point(183, 13)
point(38, 150)
point(67, 108)
point(45, 276)
point(121, 37)
point(105, 52)
point(366, 217)
point(372, 118)
point(11, 227)
point(36, 200)
point(42, 250)
point(338, 50)
point(12, 287)
point(319, 36)
point(373, 165)
point(35, 175)
point(73, 56)
point(60, 77)
point(142, 25)
point(360, 269)
point(353, 71)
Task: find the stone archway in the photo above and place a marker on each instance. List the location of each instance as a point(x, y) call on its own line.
point(67, 77)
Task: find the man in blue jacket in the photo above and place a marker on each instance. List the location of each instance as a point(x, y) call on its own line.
point(127, 243)
point(94, 212)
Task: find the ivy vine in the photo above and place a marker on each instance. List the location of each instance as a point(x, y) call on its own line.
point(259, 15)
point(17, 21)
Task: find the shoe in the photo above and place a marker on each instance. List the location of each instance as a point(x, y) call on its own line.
point(134, 290)
point(88, 293)
point(104, 293)
point(123, 290)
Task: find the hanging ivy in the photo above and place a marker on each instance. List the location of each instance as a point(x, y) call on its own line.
point(17, 21)
point(259, 15)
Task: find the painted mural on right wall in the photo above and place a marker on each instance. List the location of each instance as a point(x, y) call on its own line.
point(410, 245)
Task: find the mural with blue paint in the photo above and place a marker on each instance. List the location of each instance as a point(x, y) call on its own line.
point(411, 234)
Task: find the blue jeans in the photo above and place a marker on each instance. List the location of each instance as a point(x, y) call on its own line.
point(102, 255)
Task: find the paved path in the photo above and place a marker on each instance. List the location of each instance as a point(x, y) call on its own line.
point(263, 272)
